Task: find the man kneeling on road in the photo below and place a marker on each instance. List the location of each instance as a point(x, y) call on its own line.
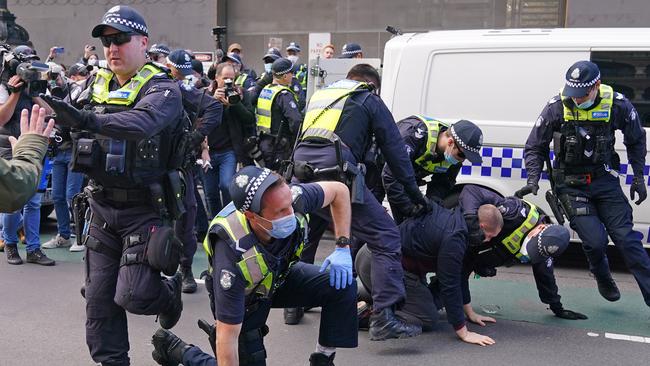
point(435, 242)
point(253, 247)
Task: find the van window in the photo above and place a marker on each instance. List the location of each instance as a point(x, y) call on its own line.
point(504, 86)
point(628, 72)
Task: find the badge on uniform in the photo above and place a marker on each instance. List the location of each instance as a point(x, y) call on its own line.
point(226, 279)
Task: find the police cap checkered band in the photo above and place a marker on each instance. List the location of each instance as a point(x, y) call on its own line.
point(248, 186)
point(584, 84)
point(281, 66)
point(160, 49)
point(462, 143)
point(124, 19)
point(141, 28)
point(551, 241)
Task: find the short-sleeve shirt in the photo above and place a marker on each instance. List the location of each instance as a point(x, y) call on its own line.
point(229, 294)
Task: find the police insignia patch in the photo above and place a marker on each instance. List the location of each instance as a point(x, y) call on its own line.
point(575, 73)
point(293, 105)
point(226, 279)
point(241, 180)
point(551, 249)
point(296, 191)
point(419, 133)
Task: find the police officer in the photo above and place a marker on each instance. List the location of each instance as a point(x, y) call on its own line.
point(253, 247)
point(300, 69)
point(158, 53)
point(205, 115)
point(278, 116)
point(503, 231)
point(126, 145)
point(243, 79)
point(236, 48)
point(342, 121)
point(581, 121)
point(436, 151)
point(267, 77)
point(434, 242)
point(351, 50)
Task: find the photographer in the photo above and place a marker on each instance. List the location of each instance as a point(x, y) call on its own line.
point(17, 94)
point(231, 141)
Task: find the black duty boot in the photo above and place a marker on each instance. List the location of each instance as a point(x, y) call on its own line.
point(170, 317)
point(292, 316)
point(319, 359)
point(12, 254)
point(189, 284)
point(168, 349)
point(385, 325)
point(39, 257)
point(608, 289)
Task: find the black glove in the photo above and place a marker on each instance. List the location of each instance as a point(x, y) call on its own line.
point(527, 189)
point(422, 208)
point(485, 271)
point(568, 314)
point(638, 186)
point(67, 115)
point(211, 331)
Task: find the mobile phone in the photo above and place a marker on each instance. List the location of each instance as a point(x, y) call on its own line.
point(59, 50)
point(92, 48)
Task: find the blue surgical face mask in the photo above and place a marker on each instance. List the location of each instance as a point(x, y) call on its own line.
point(450, 158)
point(586, 104)
point(282, 227)
point(267, 67)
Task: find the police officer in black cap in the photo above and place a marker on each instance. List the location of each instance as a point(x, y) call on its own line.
point(204, 113)
point(351, 50)
point(581, 122)
point(158, 53)
point(278, 115)
point(253, 249)
point(300, 69)
point(504, 231)
point(127, 136)
point(436, 150)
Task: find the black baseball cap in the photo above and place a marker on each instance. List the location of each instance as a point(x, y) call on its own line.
point(281, 66)
point(124, 19)
point(580, 77)
point(181, 60)
point(551, 241)
point(248, 186)
point(469, 138)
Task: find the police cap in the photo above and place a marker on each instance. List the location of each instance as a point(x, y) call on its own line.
point(248, 186)
point(293, 46)
point(281, 66)
point(469, 139)
point(181, 60)
point(234, 58)
point(160, 48)
point(26, 52)
point(350, 50)
point(551, 241)
point(124, 19)
point(581, 77)
point(272, 54)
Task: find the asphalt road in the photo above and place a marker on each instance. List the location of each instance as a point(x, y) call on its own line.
point(42, 322)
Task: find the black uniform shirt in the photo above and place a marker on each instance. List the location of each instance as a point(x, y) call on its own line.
point(230, 299)
point(210, 109)
point(285, 108)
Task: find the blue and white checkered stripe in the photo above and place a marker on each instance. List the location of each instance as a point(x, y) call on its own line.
point(508, 162)
point(128, 23)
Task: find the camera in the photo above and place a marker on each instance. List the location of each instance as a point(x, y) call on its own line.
point(232, 95)
point(27, 67)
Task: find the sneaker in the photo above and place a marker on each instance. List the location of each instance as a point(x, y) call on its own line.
point(292, 316)
point(170, 317)
point(57, 242)
point(168, 349)
point(319, 359)
point(77, 248)
point(608, 289)
point(38, 257)
point(385, 325)
point(12, 254)
point(189, 284)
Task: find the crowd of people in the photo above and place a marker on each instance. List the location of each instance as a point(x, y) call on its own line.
point(137, 133)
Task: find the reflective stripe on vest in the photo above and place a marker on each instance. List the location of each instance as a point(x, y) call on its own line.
point(264, 104)
point(259, 278)
point(424, 161)
point(241, 79)
point(513, 241)
point(301, 75)
point(600, 113)
point(125, 95)
point(323, 114)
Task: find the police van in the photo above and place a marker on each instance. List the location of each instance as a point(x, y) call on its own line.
point(502, 79)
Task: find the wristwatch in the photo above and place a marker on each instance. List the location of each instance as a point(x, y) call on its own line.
point(342, 241)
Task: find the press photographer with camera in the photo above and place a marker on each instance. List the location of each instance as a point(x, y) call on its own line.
point(21, 83)
point(232, 141)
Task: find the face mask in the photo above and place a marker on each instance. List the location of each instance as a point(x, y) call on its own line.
point(292, 58)
point(267, 67)
point(586, 104)
point(92, 62)
point(282, 227)
point(450, 158)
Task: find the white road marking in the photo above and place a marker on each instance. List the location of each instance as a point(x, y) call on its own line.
point(593, 334)
point(625, 337)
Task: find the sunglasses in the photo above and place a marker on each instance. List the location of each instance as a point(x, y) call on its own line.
point(117, 39)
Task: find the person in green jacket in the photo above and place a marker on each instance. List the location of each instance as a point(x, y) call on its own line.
point(19, 177)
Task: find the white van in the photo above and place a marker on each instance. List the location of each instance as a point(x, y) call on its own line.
point(501, 80)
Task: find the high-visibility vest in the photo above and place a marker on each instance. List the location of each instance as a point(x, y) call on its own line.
point(600, 113)
point(264, 104)
point(325, 108)
point(425, 160)
point(241, 79)
point(513, 241)
point(125, 95)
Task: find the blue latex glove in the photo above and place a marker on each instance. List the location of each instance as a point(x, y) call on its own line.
point(341, 268)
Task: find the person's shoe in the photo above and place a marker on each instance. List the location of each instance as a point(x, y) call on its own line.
point(363, 314)
point(319, 359)
point(608, 289)
point(168, 349)
point(189, 284)
point(385, 325)
point(76, 247)
point(38, 257)
point(12, 254)
point(2, 245)
point(292, 316)
point(170, 317)
point(57, 242)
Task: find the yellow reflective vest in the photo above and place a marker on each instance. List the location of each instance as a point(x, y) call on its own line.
point(600, 113)
point(513, 241)
point(425, 160)
point(125, 95)
point(264, 104)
